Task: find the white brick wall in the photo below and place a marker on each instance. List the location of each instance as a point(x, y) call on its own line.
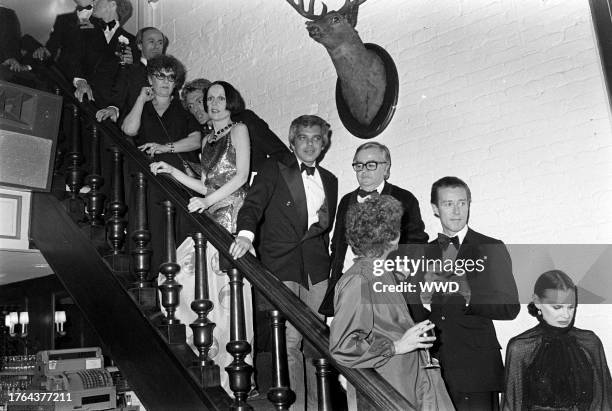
point(506, 94)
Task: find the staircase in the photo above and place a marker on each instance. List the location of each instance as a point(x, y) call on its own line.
point(164, 372)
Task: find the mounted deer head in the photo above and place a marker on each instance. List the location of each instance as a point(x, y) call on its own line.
point(361, 72)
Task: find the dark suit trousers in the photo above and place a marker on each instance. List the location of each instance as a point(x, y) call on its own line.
point(475, 401)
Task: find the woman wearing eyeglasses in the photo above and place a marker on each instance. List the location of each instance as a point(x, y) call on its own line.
point(555, 366)
point(162, 128)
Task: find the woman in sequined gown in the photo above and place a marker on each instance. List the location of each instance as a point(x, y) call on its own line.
point(225, 171)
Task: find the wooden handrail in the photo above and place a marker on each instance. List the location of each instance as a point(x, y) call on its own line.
point(367, 381)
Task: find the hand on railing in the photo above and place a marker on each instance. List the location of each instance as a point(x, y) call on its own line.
point(83, 89)
point(161, 167)
point(41, 53)
point(154, 148)
point(15, 66)
point(240, 247)
point(108, 112)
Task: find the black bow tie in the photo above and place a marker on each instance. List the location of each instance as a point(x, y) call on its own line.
point(445, 240)
point(81, 8)
point(309, 170)
point(362, 193)
point(110, 25)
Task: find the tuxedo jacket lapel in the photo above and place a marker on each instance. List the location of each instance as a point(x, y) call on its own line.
point(386, 189)
point(115, 39)
point(469, 249)
point(293, 178)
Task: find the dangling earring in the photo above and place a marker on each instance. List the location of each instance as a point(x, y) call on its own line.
point(539, 312)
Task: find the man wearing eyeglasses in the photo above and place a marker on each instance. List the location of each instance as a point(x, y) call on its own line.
point(467, 345)
point(372, 165)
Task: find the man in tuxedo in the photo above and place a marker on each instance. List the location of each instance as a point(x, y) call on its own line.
point(151, 42)
point(104, 49)
point(10, 40)
point(64, 41)
point(467, 345)
point(264, 143)
point(372, 165)
point(297, 203)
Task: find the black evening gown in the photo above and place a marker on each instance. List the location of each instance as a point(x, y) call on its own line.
point(554, 369)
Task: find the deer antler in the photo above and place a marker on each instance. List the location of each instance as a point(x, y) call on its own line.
point(350, 4)
point(309, 14)
point(350, 9)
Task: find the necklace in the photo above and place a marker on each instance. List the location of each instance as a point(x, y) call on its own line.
point(219, 133)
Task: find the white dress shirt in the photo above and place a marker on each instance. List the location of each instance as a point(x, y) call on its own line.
point(315, 196)
point(110, 33)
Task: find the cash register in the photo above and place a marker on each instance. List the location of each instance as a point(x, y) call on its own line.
point(79, 372)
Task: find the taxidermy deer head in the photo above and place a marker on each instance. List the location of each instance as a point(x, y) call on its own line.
point(360, 71)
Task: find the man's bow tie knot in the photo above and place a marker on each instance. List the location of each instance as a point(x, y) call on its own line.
point(81, 8)
point(445, 241)
point(310, 170)
point(110, 25)
point(363, 193)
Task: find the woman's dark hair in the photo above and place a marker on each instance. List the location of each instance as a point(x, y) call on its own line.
point(233, 100)
point(371, 226)
point(550, 280)
point(167, 62)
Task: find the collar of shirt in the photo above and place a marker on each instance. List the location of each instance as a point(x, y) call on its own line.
point(315, 194)
point(83, 15)
point(380, 188)
point(316, 173)
point(143, 61)
point(460, 234)
point(110, 33)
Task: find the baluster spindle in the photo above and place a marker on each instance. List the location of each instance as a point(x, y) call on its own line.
point(60, 151)
point(95, 203)
point(116, 224)
point(142, 290)
point(205, 369)
point(75, 174)
point(239, 371)
point(324, 371)
point(280, 394)
point(170, 289)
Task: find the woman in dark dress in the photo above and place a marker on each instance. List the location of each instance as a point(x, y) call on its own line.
point(164, 129)
point(555, 366)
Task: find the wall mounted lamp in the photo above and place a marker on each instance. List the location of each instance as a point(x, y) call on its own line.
point(60, 319)
point(14, 318)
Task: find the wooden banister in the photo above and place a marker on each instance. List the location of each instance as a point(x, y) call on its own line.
point(369, 383)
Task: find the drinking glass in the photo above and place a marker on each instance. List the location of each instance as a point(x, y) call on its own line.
point(431, 362)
